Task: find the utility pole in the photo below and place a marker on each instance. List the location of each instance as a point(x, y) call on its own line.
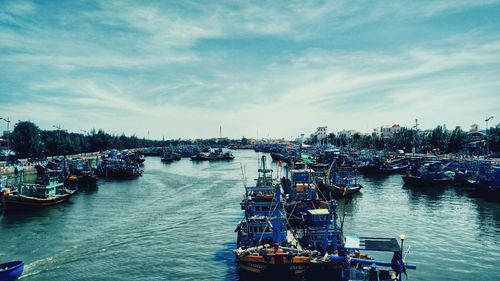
point(415, 137)
point(487, 137)
point(58, 137)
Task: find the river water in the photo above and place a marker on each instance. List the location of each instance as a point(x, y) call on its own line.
point(177, 222)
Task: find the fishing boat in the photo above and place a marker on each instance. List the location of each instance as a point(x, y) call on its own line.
point(217, 154)
point(487, 180)
point(117, 168)
point(379, 166)
point(47, 191)
point(264, 243)
point(256, 234)
point(11, 271)
point(358, 266)
point(321, 234)
point(339, 182)
point(397, 165)
point(429, 173)
point(303, 193)
point(170, 156)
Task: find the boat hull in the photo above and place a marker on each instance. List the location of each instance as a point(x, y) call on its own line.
point(337, 192)
point(274, 265)
point(20, 204)
point(11, 270)
point(418, 181)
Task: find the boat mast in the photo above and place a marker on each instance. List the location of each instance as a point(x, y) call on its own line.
point(276, 223)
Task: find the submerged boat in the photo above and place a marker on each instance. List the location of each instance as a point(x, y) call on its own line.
point(47, 191)
point(11, 271)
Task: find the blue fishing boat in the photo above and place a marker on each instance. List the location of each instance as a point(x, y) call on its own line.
point(265, 244)
point(429, 173)
point(339, 182)
point(487, 180)
point(11, 271)
point(303, 193)
point(361, 267)
point(114, 167)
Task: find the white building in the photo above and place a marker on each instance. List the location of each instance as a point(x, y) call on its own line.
point(389, 131)
point(321, 133)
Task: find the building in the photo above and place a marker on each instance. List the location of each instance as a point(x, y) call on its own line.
point(321, 133)
point(388, 132)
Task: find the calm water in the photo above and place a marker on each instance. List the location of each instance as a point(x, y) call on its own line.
point(177, 223)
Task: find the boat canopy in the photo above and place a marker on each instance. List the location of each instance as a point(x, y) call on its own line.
point(372, 244)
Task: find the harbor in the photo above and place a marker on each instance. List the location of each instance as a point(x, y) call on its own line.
point(249, 140)
point(179, 218)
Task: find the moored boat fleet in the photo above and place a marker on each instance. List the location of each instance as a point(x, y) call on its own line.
point(61, 177)
point(289, 228)
point(479, 175)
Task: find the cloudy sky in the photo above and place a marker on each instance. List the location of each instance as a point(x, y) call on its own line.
point(277, 68)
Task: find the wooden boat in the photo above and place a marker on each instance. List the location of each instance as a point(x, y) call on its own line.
point(427, 181)
point(339, 182)
point(25, 197)
point(339, 192)
point(264, 224)
point(429, 173)
point(363, 268)
point(217, 154)
point(11, 271)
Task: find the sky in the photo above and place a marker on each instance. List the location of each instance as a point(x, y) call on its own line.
point(182, 69)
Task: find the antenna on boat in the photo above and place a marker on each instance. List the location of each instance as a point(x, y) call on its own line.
point(243, 176)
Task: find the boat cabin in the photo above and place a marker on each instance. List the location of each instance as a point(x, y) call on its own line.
point(257, 230)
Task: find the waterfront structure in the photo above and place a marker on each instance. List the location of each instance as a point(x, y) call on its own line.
point(321, 133)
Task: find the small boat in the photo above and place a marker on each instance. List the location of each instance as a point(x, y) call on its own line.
point(170, 156)
point(11, 271)
point(395, 166)
point(340, 183)
point(217, 154)
point(47, 191)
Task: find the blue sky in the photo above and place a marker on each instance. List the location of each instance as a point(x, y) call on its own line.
point(280, 68)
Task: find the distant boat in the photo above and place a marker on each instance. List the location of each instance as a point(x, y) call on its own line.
point(11, 271)
point(217, 154)
point(342, 182)
point(429, 173)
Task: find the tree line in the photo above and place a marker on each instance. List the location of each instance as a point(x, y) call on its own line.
point(28, 140)
point(439, 138)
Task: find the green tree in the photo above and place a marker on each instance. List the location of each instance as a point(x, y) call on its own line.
point(457, 140)
point(439, 138)
point(27, 140)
